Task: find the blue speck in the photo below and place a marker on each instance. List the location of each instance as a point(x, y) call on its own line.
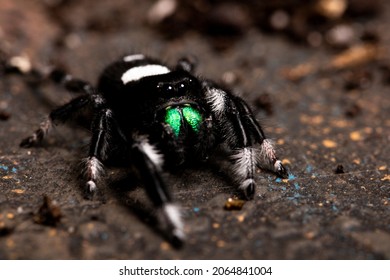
point(278, 180)
point(291, 177)
point(296, 185)
point(5, 168)
point(14, 170)
point(196, 209)
point(309, 169)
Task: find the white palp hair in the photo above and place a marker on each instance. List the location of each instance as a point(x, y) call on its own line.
point(216, 98)
point(151, 153)
point(139, 72)
point(133, 57)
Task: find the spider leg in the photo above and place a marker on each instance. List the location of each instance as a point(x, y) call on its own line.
point(60, 115)
point(243, 136)
point(267, 158)
point(149, 162)
point(243, 152)
point(98, 148)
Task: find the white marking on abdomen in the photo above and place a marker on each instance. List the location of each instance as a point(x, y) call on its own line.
point(139, 72)
point(133, 57)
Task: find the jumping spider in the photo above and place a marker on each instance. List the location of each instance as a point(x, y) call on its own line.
point(160, 118)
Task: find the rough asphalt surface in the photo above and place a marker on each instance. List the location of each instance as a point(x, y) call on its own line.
point(329, 117)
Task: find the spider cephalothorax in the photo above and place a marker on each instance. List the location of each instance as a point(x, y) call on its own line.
point(158, 118)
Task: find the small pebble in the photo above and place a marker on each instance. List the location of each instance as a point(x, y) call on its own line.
point(234, 204)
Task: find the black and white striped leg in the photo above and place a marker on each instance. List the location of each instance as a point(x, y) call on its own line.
point(244, 165)
point(257, 151)
point(244, 136)
point(150, 161)
point(98, 148)
point(267, 158)
point(245, 133)
point(59, 115)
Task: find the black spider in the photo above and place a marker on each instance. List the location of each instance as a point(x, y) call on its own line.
point(160, 118)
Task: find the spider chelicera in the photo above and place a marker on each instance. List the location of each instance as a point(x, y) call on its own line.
point(160, 117)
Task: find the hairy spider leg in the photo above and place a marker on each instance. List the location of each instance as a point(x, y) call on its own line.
point(149, 161)
point(242, 134)
point(102, 124)
point(59, 115)
point(267, 158)
point(99, 142)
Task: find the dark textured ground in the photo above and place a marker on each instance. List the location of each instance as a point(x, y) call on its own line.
point(330, 120)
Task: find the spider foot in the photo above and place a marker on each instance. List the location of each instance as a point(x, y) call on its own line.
point(172, 225)
point(31, 140)
point(280, 170)
point(38, 135)
point(90, 190)
point(91, 187)
point(248, 187)
point(94, 170)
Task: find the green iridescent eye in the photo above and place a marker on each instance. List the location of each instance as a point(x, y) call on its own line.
point(193, 117)
point(173, 118)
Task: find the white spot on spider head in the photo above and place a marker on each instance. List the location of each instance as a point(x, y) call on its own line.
point(139, 72)
point(133, 57)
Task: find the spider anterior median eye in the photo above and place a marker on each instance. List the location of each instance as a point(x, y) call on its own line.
point(193, 117)
point(173, 119)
